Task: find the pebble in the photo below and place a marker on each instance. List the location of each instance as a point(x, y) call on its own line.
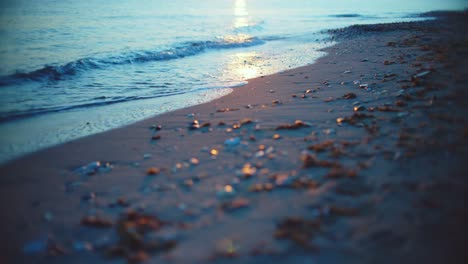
point(231, 142)
point(226, 192)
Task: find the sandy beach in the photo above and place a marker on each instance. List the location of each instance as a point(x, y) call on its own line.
point(357, 158)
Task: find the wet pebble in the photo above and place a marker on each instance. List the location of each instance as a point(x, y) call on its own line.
point(153, 171)
point(226, 191)
point(231, 142)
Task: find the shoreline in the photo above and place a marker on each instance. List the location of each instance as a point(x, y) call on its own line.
point(368, 154)
point(19, 144)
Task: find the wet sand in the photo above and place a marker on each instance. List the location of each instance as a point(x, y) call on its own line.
point(357, 158)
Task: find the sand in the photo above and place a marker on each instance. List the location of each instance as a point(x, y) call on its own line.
point(357, 158)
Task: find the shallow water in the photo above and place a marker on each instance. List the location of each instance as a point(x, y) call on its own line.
point(74, 68)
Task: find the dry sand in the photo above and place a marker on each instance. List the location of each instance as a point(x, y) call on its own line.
point(373, 171)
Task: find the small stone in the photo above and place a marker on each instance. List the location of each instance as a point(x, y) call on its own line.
point(235, 204)
point(231, 142)
point(349, 96)
point(329, 131)
point(194, 161)
point(248, 170)
point(153, 171)
point(276, 136)
point(359, 108)
point(194, 125)
point(226, 192)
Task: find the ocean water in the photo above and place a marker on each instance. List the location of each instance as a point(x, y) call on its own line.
point(70, 68)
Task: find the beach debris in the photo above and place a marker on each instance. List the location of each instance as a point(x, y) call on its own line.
point(386, 108)
point(95, 221)
point(194, 161)
point(272, 91)
point(293, 95)
point(147, 156)
point(342, 210)
point(231, 142)
point(237, 203)
point(245, 121)
point(310, 161)
point(400, 103)
point(94, 168)
point(247, 170)
point(140, 235)
point(364, 86)
point(356, 82)
point(388, 62)
point(249, 106)
point(223, 110)
point(354, 119)
point(308, 91)
point(214, 152)
point(297, 124)
point(194, 125)
point(349, 96)
point(420, 75)
point(359, 108)
point(226, 191)
point(298, 230)
point(156, 137)
point(276, 136)
point(346, 72)
point(276, 102)
point(153, 171)
point(156, 127)
point(320, 147)
point(340, 120)
point(301, 183)
point(339, 172)
point(121, 201)
point(221, 123)
point(259, 187)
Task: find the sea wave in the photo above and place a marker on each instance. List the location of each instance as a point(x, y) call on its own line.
point(181, 50)
point(346, 15)
point(101, 101)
